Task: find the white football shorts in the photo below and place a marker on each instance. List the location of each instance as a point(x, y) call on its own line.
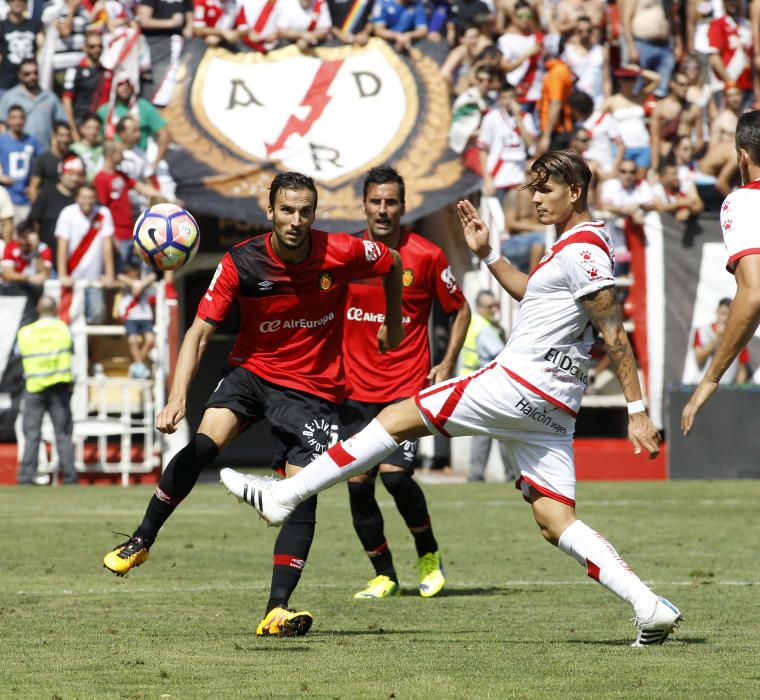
point(537, 434)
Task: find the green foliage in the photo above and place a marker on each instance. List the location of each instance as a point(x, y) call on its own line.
point(518, 618)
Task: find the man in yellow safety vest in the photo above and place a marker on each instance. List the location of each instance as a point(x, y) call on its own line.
point(45, 347)
point(485, 339)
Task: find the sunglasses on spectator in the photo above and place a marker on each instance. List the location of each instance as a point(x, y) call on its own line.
point(524, 15)
point(94, 46)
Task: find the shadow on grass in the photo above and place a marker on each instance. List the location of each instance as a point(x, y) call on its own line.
point(463, 592)
point(625, 643)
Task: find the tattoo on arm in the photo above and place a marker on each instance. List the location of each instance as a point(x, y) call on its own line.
point(604, 312)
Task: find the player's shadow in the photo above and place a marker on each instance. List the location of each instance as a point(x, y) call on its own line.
point(626, 643)
point(470, 592)
point(379, 632)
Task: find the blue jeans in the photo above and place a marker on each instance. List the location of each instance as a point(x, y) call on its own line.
point(517, 248)
point(657, 57)
point(94, 306)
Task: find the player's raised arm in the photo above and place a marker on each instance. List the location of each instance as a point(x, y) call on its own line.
point(743, 319)
point(190, 354)
point(391, 332)
point(477, 235)
point(604, 312)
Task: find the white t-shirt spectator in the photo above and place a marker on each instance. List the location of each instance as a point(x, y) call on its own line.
point(135, 308)
point(6, 206)
point(507, 152)
point(589, 68)
point(294, 16)
point(603, 135)
point(614, 194)
point(85, 236)
point(529, 75)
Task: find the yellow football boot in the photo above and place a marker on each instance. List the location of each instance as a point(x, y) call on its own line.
point(126, 556)
point(432, 578)
point(282, 622)
point(380, 587)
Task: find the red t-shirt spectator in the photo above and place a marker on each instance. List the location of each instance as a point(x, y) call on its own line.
point(113, 192)
point(24, 262)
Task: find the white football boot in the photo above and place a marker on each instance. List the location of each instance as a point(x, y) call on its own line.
point(656, 628)
point(257, 491)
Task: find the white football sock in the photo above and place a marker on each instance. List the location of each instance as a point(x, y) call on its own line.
point(604, 564)
point(344, 459)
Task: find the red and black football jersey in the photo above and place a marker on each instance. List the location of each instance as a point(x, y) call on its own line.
point(291, 328)
point(399, 373)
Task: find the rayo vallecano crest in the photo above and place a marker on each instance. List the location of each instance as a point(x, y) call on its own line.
point(332, 114)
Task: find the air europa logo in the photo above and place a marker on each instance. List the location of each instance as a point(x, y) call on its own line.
point(293, 323)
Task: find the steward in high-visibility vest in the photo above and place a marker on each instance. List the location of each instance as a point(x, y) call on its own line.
point(45, 347)
point(475, 352)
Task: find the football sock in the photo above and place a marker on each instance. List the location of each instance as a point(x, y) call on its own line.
point(604, 565)
point(291, 549)
point(346, 458)
point(368, 523)
point(411, 503)
point(175, 484)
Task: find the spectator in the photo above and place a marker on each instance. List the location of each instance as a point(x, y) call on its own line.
point(555, 122)
point(521, 46)
point(526, 242)
point(723, 126)
point(672, 117)
point(18, 151)
point(589, 61)
point(604, 139)
point(42, 107)
point(506, 134)
point(113, 187)
point(47, 167)
point(731, 52)
point(626, 199)
point(652, 37)
point(399, 22)
point(714, 175)
point(136, 313)
point(214, 21)
point(468, 110)
point(160, 18)
point(6, 216)
point(459, 65)
point(18, 42)
point(627, 108)
point(52, 199)
point(65, 23)
point(258, 23)
point(669, 196)
point(306, 23)
point(84, 236)
point(134, 163)
point(85, 86)
point(90, 146)
point(699, 14)
point(440, 20)
point(152, 124)
point(699, 91)
point(706, 341)
point(484, 341)
point(46, 348)
point(471, 13)
point(350, 20)
point(27, 261)
point(566, 16)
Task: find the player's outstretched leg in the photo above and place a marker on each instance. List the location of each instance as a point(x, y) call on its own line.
point(410, 501)
point(368, 523)
point(291, 549)
point(275, 500)
point(175, 484)
point(655, 618)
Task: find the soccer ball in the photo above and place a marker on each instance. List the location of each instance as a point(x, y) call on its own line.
point(166, 236)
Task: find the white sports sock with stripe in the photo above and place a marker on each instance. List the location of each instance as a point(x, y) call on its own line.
point(604, 565)
point(344, 459)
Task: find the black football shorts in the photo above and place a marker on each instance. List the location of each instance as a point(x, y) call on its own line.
point(351, 416)
point(300, 421)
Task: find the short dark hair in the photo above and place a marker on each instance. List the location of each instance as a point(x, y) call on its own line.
point(582, 103)
point(91, 116)
point(748, 134)
point(85, 186)
point(26, 62)
point(492, 71)
point(122, 123)
point(131, 264)
point(725, 301)
point(16, 108)
point(291, 181)
point(522, 5)
point(61, 125)
point(383, 175)
point(26, 226)
point(489, 51)
point(566, 165)
point(482, 294)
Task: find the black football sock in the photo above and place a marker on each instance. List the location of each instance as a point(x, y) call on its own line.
point(291, 549)
point(175, 484)
point(368, 523)
point(410, 502)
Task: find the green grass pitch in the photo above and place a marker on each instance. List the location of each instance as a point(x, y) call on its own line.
point(517, 619)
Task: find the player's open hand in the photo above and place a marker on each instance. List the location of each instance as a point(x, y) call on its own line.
point(698, 399)
point(476, 233)
point(389, 336)
point(643, 434)
point(439, 373)
point(171, 414)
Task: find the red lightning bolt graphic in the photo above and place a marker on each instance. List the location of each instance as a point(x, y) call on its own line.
point(316, 99)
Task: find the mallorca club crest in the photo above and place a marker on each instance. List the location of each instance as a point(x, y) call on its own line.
point(325, 281)
point(407, 279)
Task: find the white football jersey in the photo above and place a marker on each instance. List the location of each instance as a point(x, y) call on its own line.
point(549, 349)
point(738, 220)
